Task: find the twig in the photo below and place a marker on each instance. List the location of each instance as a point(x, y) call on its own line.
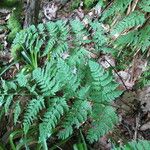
point(118, 75)
point(137, 120)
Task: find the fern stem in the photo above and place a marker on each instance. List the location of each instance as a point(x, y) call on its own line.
point(45, 145)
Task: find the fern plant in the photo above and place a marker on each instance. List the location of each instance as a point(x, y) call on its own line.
point(48, 40)
point(68, 89)
point(128, 31)
point(62, 88)
point(135, 145)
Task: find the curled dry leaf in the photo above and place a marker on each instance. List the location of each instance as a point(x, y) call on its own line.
point(145, 126)
point(144, 98)
point(50, 11)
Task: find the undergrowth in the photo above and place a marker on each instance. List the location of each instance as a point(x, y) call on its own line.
point(61, 88)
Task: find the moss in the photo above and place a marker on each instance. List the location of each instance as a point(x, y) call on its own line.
point(75, 4)
point(89, 3)
point(1, 47)
point(8, 3)
point(14, 24)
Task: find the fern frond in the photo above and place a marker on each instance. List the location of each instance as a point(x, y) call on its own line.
point(78, 57)
point(104, 119)
point(99, 37)
point(143, 41)
point(45, 79)
point(102, 81)
point(32, 110)
point(76, 116)
point(17, 111)
point(135, 145)
point(126, 39)
point(68, 78)
point(134, 19)
point(117, 6)
point(21, 79)
point(52, 117)
point(8, 102)
point(80, 33)
point(144, 5)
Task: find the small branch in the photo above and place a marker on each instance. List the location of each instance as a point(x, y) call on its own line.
point(118, 75)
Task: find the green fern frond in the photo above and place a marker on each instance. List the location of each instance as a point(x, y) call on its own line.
point(135, 145)
point(80, 33)
point(117, 6)
point(104, 119)
point(99, 36)
point(75, 117)
point(102, 81)
point(143, 41)
point(134, 19)
point(21, 79)
point(68, 79)
point(32, 110)
point(78, 57)
point(45, 79)
point(17, 111)
point(52, 117)
point(135, 39)
point(144, 5)
point(8, 102)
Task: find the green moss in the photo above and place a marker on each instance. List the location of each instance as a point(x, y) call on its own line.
point(14, 24)
point(8, 3)
point(1, 46)
point(89, 3)
point(75, 4)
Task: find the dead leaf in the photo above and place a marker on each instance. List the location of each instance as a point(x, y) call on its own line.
point(50, 11)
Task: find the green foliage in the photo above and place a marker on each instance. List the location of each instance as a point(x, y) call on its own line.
point(117, 6)
point(134, 19)
point(127, 29)
point(144, 5)
point(17, 112)
point(145, 79)
point(68, 90)
point(89, 3)
point(135, 145)
point(8, 3)
point(52, 38)
point(14, 24)
point(52, 117)
point(61, 87)
point(14, 21)
point(33, 108)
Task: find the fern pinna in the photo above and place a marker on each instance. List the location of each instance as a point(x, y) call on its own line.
point(69, 89)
